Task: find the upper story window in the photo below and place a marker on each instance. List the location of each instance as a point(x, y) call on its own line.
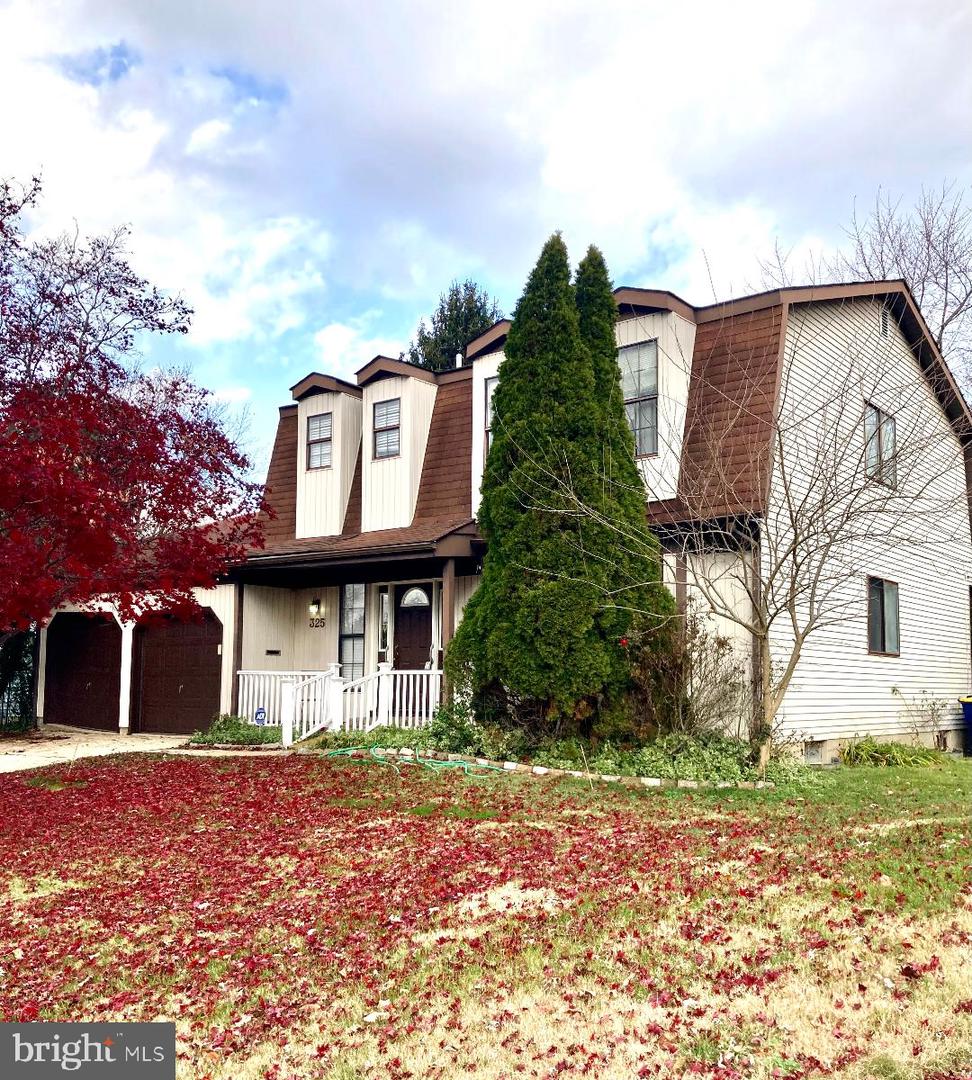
point(639, 381)
point(490, 386)
point(319, 430)
point(880, 446)
point(882, 617)
point(387, 425)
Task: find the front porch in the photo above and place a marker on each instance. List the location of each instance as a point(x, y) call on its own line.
point(303, 703)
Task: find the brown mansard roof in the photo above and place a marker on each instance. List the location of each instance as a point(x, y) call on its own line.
point(444, 496)
point(736, 372)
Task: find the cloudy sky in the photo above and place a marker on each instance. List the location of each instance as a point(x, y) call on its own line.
point(311, 174)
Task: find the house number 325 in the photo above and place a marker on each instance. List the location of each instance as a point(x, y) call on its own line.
point(317, 624)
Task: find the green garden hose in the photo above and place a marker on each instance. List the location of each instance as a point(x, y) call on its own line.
point(470, 768)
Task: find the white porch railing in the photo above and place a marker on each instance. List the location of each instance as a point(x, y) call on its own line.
point(263, 690)
point(305, 702)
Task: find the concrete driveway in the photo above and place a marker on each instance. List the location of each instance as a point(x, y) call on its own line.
point(56, 744)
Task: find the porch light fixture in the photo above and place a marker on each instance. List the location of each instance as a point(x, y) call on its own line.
point(314, 607)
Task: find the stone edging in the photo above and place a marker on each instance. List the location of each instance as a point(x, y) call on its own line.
point(542, 770)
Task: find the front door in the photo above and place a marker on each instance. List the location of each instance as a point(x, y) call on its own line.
point(413, 626)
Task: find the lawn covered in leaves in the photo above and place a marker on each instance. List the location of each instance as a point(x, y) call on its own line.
point(298, 917)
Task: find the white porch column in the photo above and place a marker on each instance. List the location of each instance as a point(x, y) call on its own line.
point(288, 709)
point(125, 690)
point(335, 700)
point(41, 675)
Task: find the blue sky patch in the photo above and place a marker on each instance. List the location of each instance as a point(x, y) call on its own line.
point(95, 67)
point(249, 87)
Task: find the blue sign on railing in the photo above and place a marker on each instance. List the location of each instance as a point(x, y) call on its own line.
point(260, 716)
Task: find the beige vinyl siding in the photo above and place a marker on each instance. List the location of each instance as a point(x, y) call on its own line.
point(268, 623)
point(724, 574)
point(389, 486)
point(676, 343)
point(222, 600)
point(279, 619)
point(322, 494)
point(465, 587)
point(315, 647)
point(839, 689)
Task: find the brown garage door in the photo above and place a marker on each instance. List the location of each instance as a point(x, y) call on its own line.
point(83, 671)
point(176, 674)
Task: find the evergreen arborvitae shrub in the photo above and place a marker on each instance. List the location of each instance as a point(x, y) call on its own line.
point(644, 607)
point(544, 634)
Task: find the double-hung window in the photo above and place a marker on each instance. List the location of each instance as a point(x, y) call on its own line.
point(490, 415)
point(639, 381)
point(319, 429)
point(351, 636)
point(387, 425)
point(882, 617)
point(880, 446)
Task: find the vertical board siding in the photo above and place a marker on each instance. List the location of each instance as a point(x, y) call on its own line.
point(322, 494)
point(465, 587)
point(839, 689)
point(389, 486)
point(484, 367)
point(268, 623)
point(222, 600)
point(676, 343)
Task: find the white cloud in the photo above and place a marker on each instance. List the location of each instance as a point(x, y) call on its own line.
point(233, 395)
point(343, 348)
point(382, 150)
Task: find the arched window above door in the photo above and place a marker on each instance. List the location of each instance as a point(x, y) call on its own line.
point(415, 597)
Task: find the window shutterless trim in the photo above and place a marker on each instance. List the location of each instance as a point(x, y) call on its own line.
point(639, 398)
point(380, 429)
point(491, 380)
point(342, 637)
point(885, 471)
point(328, 441)
point(867, 586)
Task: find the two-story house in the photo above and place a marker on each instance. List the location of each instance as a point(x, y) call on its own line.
point(372, 549)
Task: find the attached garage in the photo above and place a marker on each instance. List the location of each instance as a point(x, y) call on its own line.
point(83, 671)
point(176, 674)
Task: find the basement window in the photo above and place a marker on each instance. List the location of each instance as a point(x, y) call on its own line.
point(882, 617)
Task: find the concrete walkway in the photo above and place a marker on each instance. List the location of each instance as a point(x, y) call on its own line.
point(56, 744)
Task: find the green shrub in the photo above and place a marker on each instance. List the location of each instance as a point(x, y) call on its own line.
point(235, 729)
point(868, 751)
point(672, 757)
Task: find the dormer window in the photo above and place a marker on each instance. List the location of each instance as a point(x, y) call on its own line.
point(639, 381)
point(387, 424)
point(319, 430)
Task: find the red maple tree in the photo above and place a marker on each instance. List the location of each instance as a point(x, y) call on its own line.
point(115, 482)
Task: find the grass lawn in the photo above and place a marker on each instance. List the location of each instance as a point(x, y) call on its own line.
point(302, 918)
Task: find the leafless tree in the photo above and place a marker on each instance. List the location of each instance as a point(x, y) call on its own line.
point(784, 496)
point(929, 245)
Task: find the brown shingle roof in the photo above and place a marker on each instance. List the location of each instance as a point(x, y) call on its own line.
point(444, 498)
point(729, 418)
